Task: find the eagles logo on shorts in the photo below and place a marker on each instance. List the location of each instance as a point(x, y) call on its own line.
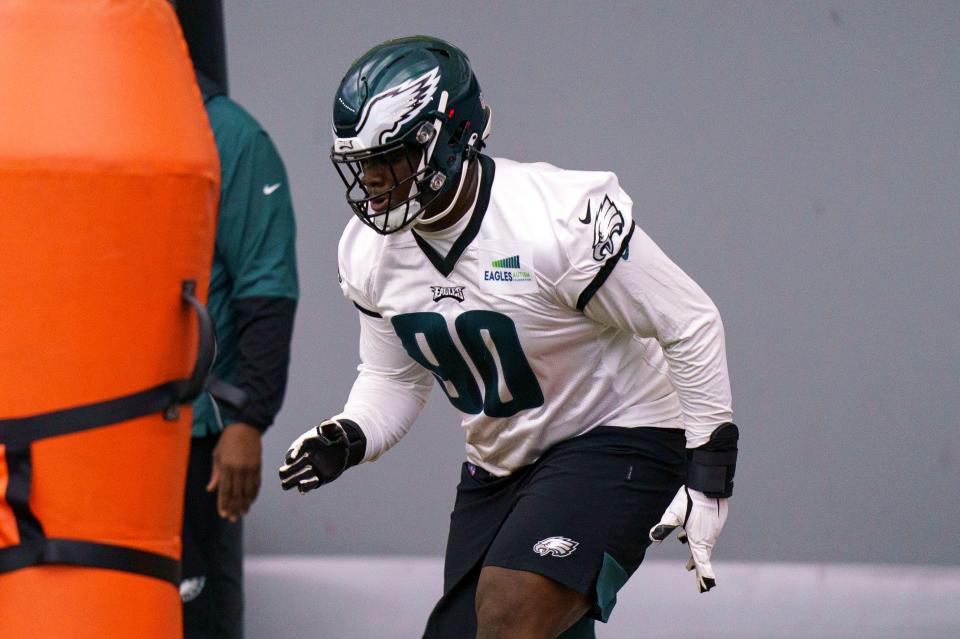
point(191, 588)
point(556, 546)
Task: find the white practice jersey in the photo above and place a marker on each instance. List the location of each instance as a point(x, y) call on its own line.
point(547, 314)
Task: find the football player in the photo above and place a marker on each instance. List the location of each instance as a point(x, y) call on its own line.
point(589, 371)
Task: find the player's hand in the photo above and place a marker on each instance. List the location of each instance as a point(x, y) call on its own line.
point(236, 470)
point(700, 519)
point(317, 457)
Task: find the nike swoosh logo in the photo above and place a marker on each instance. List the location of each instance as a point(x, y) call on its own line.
point(586, 218)
point(270, 188)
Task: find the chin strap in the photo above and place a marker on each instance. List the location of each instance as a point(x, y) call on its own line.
point(453, 203)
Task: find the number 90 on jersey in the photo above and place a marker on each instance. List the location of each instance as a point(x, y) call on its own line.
point(491, 342)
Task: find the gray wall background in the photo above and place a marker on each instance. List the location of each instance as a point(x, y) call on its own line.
point(799, 159)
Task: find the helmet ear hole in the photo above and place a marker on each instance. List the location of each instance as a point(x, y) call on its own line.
point(457, 135)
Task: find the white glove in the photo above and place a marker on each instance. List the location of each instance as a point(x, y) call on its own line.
point(702, 519)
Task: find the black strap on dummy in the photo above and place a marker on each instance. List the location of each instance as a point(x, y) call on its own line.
point(18, 433)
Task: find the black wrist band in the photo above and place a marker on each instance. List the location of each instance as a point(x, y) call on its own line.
point(710, 468)
point(356, 442)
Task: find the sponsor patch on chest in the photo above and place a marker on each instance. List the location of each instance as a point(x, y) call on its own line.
point(506, 267)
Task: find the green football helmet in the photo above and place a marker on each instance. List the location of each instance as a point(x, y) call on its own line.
point(415, 100)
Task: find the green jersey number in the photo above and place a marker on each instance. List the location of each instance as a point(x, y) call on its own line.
point(490, 340)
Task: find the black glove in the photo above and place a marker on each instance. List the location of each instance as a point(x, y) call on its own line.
point(321, 454)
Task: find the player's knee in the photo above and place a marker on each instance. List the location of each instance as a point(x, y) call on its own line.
point(498, 616)
point(516, 604)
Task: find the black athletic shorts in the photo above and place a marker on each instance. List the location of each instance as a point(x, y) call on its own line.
point(580, 515)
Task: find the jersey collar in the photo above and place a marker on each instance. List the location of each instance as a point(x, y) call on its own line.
point(446, 264)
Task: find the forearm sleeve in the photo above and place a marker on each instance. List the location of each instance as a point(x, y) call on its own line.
point(264, 330)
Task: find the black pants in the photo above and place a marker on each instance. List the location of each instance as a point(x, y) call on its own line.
point(580, 515)
point(212, 586)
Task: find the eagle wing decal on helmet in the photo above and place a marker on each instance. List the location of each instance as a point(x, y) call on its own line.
point(607, 230)
point(389, 110)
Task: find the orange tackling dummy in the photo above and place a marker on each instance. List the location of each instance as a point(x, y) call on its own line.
point(109, 185)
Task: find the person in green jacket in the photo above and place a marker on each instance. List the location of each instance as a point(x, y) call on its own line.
point(252, 300)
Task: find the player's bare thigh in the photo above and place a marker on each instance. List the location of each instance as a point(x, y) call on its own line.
point(524, 605)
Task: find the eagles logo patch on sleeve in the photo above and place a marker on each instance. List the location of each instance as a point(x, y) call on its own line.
point(608, 228)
